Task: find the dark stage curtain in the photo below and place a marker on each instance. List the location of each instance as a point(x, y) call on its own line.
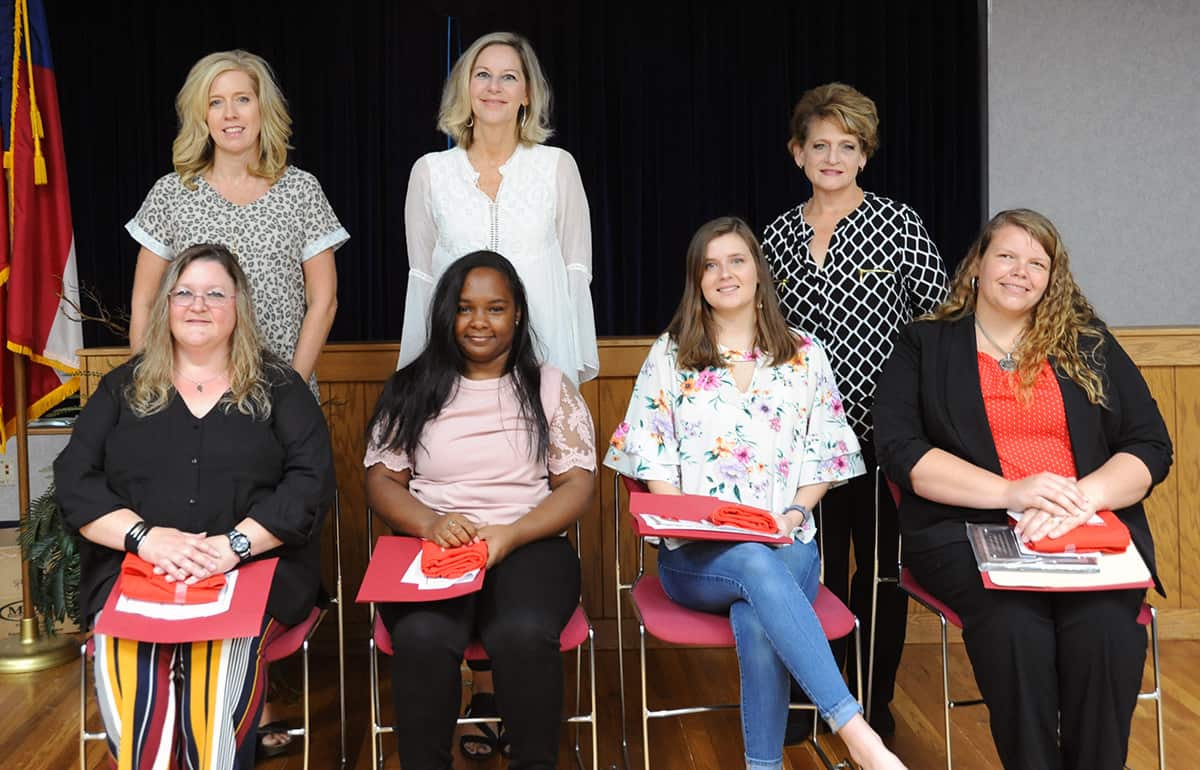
point(676, 112)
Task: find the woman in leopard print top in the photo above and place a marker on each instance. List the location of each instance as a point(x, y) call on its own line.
point(232, 185)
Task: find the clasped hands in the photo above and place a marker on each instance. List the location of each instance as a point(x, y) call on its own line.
point(187, 556)
point(452, 530)
point(1051, 505)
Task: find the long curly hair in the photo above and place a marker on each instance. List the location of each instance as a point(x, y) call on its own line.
point(1059, 323)
point(251, 368)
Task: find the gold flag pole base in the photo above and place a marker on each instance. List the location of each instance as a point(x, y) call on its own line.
point(27, 653)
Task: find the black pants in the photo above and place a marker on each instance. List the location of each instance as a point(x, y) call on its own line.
point(519, 613)
point(1059, 672)
point(848, 521)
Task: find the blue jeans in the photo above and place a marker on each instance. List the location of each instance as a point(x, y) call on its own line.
point(768, 593)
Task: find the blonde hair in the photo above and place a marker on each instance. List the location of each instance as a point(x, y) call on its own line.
point(192, 152)
point(1061, 318)
point(846, 106)
point(455, 116)
point(152, 386)
point(693, 328)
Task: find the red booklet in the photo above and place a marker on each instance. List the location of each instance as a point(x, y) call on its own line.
point(394, 575)
point(237, 613)
point(687, 516)
point(1111, 536)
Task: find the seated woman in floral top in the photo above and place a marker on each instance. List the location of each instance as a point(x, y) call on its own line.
point(731, 403)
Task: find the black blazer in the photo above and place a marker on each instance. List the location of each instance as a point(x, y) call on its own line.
point(929, 396)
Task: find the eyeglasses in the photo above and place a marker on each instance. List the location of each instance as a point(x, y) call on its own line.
point(212, 298)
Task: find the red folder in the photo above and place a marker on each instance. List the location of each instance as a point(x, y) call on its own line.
point(1110, 537)
point(390, 561)
point(243, 618)
point(689, 508)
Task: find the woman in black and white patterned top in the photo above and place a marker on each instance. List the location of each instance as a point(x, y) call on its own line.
point(232, 185)
point(853, 268)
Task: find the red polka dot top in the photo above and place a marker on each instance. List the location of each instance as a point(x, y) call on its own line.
point(1030, 437)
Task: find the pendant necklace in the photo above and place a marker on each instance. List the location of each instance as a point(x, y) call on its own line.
point(201, 383)
point(1007, 363)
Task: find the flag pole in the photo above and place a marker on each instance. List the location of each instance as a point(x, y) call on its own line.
point(29, 652)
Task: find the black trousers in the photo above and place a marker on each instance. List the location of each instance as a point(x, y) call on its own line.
point(525, 602)
point(848, 521)
point(1060, 672)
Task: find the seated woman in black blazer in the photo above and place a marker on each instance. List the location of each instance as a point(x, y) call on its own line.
point(1014, 396)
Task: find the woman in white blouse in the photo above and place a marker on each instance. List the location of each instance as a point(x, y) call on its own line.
point(500, 189)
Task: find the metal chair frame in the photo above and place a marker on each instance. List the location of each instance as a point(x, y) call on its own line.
point(649, 713)
point(378, 730)
point(303, 731)
point(948, 703)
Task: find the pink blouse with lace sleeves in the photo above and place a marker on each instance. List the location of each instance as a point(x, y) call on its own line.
point(572, 436)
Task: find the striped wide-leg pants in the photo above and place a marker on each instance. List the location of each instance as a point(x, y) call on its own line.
point(188, 706)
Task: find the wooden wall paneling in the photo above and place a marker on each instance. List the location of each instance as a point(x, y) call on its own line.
point(614, 393)
point(348, 408)
point(1161, 345)
point(591, 557)
point(1187, 475)
point(1162, 507)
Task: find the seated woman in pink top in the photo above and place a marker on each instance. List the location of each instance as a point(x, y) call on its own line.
point(474, 440)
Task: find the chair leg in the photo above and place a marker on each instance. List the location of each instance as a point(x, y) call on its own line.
point(645, 702)
point(578, 699)
point(83, 707)
point(304, 700)
point(337, 554)
point(373, 667)
point(592, 685)
point(946, 689)
point(1158, 696)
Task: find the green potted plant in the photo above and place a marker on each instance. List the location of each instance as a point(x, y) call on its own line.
point(53, 555)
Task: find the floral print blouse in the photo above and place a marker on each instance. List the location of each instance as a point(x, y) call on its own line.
point(698, 431)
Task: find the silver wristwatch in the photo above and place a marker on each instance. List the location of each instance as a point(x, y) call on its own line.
point(239, 543)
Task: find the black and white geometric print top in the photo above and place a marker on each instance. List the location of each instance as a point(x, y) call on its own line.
point(881, 270)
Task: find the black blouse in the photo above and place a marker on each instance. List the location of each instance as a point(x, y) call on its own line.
point(203, 475)
point(880, 271)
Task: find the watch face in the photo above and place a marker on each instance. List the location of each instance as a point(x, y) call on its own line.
point(239, 543)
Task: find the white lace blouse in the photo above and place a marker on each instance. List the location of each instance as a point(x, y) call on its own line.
point(539, 221)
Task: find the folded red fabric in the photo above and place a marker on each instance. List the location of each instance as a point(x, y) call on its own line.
point(744, 516)
point(1112, 537)
point(138, 581)
point(441, 562)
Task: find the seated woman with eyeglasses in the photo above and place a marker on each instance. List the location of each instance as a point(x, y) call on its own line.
point(732, 404)
point(1014, 396)
point(476, 441)
point(202, 452)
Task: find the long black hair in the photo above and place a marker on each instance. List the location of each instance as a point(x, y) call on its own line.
point(417, 393)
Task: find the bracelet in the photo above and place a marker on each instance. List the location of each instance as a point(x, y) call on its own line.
point(134, 537)
point(805, 512)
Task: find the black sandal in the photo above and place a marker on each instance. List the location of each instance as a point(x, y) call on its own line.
point(264, 750)
point(485, 745)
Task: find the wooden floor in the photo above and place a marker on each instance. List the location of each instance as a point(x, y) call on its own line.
point(40, 727)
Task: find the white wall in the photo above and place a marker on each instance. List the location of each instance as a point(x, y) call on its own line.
point(1094, 120)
